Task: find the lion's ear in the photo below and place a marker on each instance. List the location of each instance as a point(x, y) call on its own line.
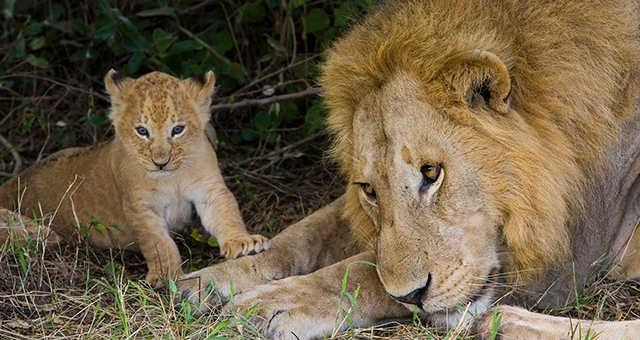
point(200, 88)
point(480, 77)
point(117, 85)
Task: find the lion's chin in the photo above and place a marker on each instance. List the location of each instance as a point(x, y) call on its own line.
point(460, 315)
point(155, 173)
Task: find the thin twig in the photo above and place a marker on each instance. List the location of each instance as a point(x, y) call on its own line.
point(281, 150)
point(197, 7)
point(264, 101)
point(205, 45)
point(275, 73)
point(23, 75)
point(14, 153)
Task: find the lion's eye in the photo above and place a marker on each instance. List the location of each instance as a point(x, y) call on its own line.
point(368, 190)
point(142, 131)
point(430, 174)
point(177, 130)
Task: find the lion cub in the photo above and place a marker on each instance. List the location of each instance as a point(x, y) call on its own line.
point(133, 191)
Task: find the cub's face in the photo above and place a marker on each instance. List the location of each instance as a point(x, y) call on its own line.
point(423, 181)
point(159, 117)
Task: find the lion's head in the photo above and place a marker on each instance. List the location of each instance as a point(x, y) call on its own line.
point(158, 117)
point(465, 158)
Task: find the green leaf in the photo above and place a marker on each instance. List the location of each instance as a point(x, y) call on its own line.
point(54, 12)
point(82, 55)
point(37, 43)
point(131, 31)
point(366, 5)
point(346, 13)
point(157, 12)
point(28, 119)
point(253, 12)
point(288, 111)
point(316, 20)
point(34, 28)
point(162, 40)
point(262, 120)
point(184, 46)
point(249, 134)
point(17, 51)
point(94, 120)
point(80, 27)
point(314, 119)
point(297, 3)
point(135, 61)
point(222, 42)
point(173, 287)
point(236, 70)
point(38, 62)
point(42, 122)
point(7, 8)
point(104, 33)
point(275, 43)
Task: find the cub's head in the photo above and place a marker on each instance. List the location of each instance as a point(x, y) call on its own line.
point(158, 117)
point(456, 191)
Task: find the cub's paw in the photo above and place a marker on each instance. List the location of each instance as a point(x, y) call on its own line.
point(244, 245)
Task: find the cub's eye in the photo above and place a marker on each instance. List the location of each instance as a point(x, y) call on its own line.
point(177, 130)
point(368, 190)
point(142, 131)
point(430, 174)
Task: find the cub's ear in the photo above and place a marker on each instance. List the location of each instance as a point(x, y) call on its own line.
point(480, 77)
point(117, 85)
point(200, 88)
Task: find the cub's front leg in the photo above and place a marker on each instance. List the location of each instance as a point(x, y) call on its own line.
point(317, 305)
point(220, 216)
point(319, 240)
point(152, 236)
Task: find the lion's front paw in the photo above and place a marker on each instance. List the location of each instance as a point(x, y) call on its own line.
point(290, 309)
point(244, 245)
point(158, 277)
point(518, 323)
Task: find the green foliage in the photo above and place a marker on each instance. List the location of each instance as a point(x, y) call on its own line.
point(55, 53)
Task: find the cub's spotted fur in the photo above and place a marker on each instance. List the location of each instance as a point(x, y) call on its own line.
point(145, 181)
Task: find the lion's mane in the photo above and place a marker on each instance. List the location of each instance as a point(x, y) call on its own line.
point(570, 107)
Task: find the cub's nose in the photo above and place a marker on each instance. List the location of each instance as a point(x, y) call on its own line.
point(161, 165)
point(415, 297)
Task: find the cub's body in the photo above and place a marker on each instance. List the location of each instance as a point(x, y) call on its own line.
point(131, 192)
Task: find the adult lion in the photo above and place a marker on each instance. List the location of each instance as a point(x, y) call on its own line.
point(486, 144)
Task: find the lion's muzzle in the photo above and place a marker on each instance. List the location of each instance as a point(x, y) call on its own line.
point(415, 297)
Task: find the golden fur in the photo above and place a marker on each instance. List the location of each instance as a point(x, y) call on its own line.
point(565, 109)
point(481, 141)
point(133, 191)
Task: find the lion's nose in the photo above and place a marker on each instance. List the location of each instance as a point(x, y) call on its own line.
point(415, 297)
point(161, 165)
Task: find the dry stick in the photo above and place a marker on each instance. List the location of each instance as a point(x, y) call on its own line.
point(14, 153)
point(197, 7)
point(265, 101)
point(205, 45)
point(103, 97)
point(281, 150)
point(275, 73)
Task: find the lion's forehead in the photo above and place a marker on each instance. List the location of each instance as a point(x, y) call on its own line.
point(160, 104)
point(397, 126)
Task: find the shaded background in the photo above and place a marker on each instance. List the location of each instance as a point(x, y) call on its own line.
point(265, 54)
point(269, 122)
